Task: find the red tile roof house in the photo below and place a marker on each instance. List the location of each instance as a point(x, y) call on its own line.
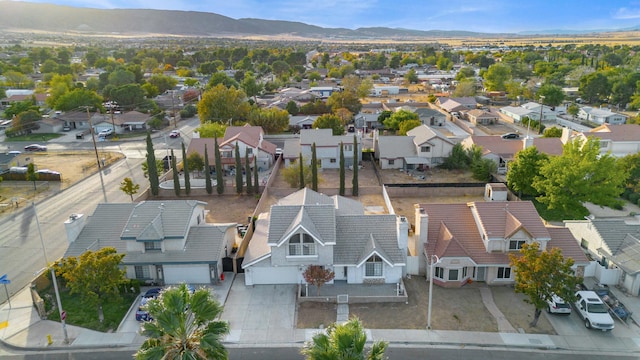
point(248, 138)
point(473, 241)
point(502, 151)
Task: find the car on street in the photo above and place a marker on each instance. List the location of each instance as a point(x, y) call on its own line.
point(556, 305)
point(174, 134)
point(593, 311)
point(511, 136)
point(35, 147)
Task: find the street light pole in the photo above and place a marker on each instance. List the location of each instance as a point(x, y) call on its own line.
point(433, 262)
point(53, 277)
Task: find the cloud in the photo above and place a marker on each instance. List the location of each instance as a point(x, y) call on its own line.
point(627, 13)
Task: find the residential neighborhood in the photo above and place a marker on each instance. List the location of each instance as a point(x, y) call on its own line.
point(301, 187)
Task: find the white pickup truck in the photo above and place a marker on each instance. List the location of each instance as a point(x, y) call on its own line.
point(593, 311)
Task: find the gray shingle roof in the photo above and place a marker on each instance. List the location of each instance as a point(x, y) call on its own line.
point(614, 231)
point(170, 218)
point(284, 218)
point(354, 234)
point(396, 147)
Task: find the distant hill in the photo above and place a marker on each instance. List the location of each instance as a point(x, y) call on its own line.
point(25, 16)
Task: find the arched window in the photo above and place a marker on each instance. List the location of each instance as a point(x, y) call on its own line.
point(373, 267)
point(302, 245)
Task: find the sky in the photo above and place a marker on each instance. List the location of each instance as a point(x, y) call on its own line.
point(492, 16)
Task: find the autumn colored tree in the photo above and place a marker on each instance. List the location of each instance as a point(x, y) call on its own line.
point(94, 275)
point(317, 275)
point(541, 274)
point(128, 187)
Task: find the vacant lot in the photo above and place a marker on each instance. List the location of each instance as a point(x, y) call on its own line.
point(452, 309)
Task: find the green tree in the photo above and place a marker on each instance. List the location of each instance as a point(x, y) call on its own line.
point(345, 99)
point(542, 274)
point(221, 79)
point(354, 180)
point(238, 170)
point(497, 76)
point(483, 169)
point(162, 82)
point(593, 86)
point(219, 169)
point(195, 161)
point(121, 77)
point(128, 187)
point(343, 342)
point(211, 130)
point(251, 86)
point(185, 168)
point(32, 175)
point(466, 87)
point(152, 167)
point(176, 176)
point(184, 326)
point(317, 276)
point(272, 120)
point(329, 121)
point(94, 276)
point(523, 169)
point(302, 177)
point(553, 95)
point(78, 98)
point(407, 125)
point(247, 171)
point(342, 170)
point(292, 108)
point(552, 132)
point(314, 168)
point(128, 96)
point(573, 109)
point(393, 121)
point(221, 104)
point(207, 171)
point(579, 175)
point(411, 77)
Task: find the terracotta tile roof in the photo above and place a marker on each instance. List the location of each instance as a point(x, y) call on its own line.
point(250, 134)
point(563, 239)
point(623, 132)
point(507, 148)
point(549, 146)
point(493, 217)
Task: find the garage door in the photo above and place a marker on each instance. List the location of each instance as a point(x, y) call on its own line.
point(279, 275)
point(190, 274)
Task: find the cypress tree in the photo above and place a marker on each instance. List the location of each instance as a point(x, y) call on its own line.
point(207, 171)
point(354, 181)
point(314, 168)
point(185, 168)
point(176, 178)
point(247, 171)
point(238, 170)
point(301, 172)
point(341, 169)
point(152, 168)
point(256, 183)
point(219, 178)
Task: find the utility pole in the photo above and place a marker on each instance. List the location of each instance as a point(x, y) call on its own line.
point(173, 111)
point(95, 148)
point(541, 108)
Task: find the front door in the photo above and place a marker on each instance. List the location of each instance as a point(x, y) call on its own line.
point(480, 273)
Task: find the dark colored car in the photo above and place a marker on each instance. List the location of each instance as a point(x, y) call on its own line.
point(35, 147)
point(152, 293)
point(511, 136)
point(142, 314)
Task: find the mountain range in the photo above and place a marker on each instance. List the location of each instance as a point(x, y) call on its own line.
point(25, 16)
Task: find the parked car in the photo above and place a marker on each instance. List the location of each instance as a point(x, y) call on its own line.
point(558, 306)
point(66, 128)
point(152, 293)
point(593, 311)
point(174, 134)
point(511, 136)
point(47, 171)
point(105, 132)
point(141, 313)
point(35, 147)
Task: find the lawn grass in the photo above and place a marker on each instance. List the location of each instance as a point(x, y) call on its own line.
point(81, 314)
point(34, 137)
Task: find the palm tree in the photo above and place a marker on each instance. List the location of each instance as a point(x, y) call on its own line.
point(184, 326)
point(343, 342)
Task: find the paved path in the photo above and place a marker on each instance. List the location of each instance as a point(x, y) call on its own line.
point(487, 299)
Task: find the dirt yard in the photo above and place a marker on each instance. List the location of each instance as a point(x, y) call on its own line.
point(452, 309)
point(395, 176)
point(72, 165)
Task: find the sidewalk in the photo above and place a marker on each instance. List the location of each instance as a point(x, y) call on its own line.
point(265, 316)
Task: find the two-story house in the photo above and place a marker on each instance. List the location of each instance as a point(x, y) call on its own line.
point(247, 138)
point(309, 228)
point(423, 147)
point(615, 244)
point(472, 241)
point(618, 140)
point(327, 148)
point(164, 242)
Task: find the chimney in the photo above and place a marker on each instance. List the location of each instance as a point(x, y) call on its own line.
point(421, 229)
point(527, 141)
point(74, 226)
point(403, 233)
point(566, 135)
